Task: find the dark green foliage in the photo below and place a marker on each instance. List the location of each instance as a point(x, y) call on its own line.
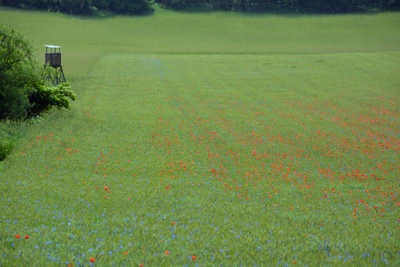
point(336, 6)
point(85, 7)
point(318, 6)
point(18, 74)
point(183, 4)
point(10, 132)
point(93, 7)
point(6, 145)
point(76, 7)
point(130, 7)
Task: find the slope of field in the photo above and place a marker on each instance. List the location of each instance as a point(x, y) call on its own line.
point(83, 40)
point(210, 151)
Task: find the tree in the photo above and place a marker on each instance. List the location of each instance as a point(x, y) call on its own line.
point(23, 91)
point(130, 6)
point(76, 7)
point(18, 74)
point(85, 7)
point(93, 7)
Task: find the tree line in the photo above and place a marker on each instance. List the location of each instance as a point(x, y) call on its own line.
point(93, 7)
point(315, 6)
point(85, 7)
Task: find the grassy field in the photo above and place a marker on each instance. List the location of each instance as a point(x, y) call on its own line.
point(211, 140)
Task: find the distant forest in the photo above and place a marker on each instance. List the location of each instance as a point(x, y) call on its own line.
point(98, 7)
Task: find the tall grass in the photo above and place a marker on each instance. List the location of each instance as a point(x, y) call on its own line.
point(192, 145)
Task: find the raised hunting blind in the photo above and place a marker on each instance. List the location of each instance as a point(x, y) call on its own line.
point(53, 59)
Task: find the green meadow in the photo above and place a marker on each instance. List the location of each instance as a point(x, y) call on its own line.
point(213, 139)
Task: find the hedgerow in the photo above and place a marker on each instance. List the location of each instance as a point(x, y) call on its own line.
point(24, 93)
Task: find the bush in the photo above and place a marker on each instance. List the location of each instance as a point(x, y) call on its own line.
point(11, 132)
point(46, 97)
point(6, 145)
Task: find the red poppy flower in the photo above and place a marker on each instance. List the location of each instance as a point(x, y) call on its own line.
point(17, 236)
point(92, 260)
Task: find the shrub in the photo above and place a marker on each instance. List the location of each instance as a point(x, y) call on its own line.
point(46, 97)
point(6, 145)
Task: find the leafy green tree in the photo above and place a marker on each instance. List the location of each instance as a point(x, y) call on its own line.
point(23, 91)
point(335, 6)
point(130, 6)
point(85, 7)
point(18, 74)
point(76, 7)
point(90, 7)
